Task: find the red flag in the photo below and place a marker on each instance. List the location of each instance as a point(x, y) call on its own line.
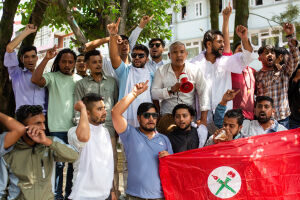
point(260, 167)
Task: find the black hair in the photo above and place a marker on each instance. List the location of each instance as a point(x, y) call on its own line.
point(124, 37)
point(23, 50)
point(263, 48)
point(91, 53)
point(26, 111)
point(144, 107)
point(210, 35)
point(184, 106)
point(236, 46)
point(141, 47)
point(235, 113)
point(280, 51)
point(264, 98)
point(157, 39)
point(90, 98)
point(55, 66)
point(81, 54)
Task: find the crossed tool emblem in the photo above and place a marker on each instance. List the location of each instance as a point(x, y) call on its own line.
point(224, 184)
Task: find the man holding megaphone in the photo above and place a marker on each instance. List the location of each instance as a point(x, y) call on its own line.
point(178, 82)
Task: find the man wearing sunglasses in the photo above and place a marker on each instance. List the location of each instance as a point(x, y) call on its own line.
point(130, 75)
point(156, 46)
point(143, 146)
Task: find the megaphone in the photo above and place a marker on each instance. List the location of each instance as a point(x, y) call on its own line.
point(185, 85)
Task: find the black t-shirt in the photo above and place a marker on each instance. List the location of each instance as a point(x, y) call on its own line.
point(294, 97)
point(183, 140)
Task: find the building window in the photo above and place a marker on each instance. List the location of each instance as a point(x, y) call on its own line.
point(183, 12)
point(258, 2)
point(198, 7)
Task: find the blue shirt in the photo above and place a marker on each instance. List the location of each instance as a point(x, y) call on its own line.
point(142, 157)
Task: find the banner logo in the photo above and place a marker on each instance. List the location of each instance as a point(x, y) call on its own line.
point(224, 182)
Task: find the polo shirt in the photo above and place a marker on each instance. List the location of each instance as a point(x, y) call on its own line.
point(61, 100)
point(142, 157)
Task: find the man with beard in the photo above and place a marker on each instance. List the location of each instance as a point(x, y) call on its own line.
point(130, 75)
point(185, 137)
point(26, 93)
point(166, 85)
point(264, 123)
point(27, 155)
point(143, 145)
point(80, 66)
point(93, 171)
point(272, 81)
point(217, 68)
point(103, 85)
point(156, 46)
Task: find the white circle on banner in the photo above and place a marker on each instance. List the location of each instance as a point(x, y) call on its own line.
point(224, 182)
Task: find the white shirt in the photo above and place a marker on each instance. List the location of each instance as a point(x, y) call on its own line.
point(94, 169)
point(218, 75)
point(165, 77)
point(153, 66)
point(253, 128)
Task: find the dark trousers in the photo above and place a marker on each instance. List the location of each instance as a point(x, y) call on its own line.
point(294, 124)
point(59, 171)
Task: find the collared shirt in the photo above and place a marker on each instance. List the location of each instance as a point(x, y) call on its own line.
point(142, 157)
point(94, 169)
point(107, 88)
point(61, 100)
point(153, 66)
point(218, 75)
point(165, 77)
point(274, 83)
point(26, 93)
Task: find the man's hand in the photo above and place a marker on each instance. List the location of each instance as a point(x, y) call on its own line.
point(288, 28)
point(113, 28)
point(113, 196)
point(51, 53)
point(144, 21)
point(79, 106)
point(175, 88)
point(163, 154)
point(227, 11)
point(38, 135)
point(242, 32)
point(140, 88)
point(228, 96)
point(30, 28)
point(222, 135)
point(278, 61)
point(297, 77)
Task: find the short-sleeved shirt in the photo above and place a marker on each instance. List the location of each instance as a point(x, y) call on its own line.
point(26, 93)
point(61, 100)
point(2, 149)
point(142, 157)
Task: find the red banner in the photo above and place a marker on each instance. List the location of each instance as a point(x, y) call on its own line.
point(260, 167)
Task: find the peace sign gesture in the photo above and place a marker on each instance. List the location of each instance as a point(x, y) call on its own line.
point(113, 28)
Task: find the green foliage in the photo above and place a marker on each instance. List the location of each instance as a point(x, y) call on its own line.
point(93, 15)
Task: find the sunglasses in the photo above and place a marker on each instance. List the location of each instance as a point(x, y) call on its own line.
point(140, 55)
point(154, 44)
point(147, 115)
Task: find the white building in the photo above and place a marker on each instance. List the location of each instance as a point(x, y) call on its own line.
point(189, 25)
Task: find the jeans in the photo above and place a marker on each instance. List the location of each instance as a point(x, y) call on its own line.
point(284, 122)
point(59, 171)
point(294, 124)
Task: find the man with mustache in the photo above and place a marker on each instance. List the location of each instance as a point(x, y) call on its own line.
point(217, 68)
point(272, 81)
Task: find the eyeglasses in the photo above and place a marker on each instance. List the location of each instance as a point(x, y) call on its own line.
point(147, 115)
point(154, 44)
point(140, 55)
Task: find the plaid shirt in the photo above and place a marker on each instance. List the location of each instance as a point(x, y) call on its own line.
point(274, 83)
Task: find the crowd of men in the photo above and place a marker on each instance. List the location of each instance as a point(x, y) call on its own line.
point(77, 112)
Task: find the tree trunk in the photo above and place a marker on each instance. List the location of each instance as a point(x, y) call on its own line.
point(7, 102)
point(36, 18)
point(214, 14)
point(124, 8)
point(241, 17)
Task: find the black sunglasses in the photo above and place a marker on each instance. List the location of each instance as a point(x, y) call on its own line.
point(140, 55)
point(147, 115)
point(154, 44)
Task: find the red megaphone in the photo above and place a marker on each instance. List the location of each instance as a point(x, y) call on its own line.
point(185, 85)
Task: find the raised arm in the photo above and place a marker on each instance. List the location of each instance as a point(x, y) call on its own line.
point(95, 43)
point(115, 58)
point(83, 128)
point(37, 76)
point(30, 28)
point(120, 123)
point(16, 130)
point(242, 32)
point(225, 27)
